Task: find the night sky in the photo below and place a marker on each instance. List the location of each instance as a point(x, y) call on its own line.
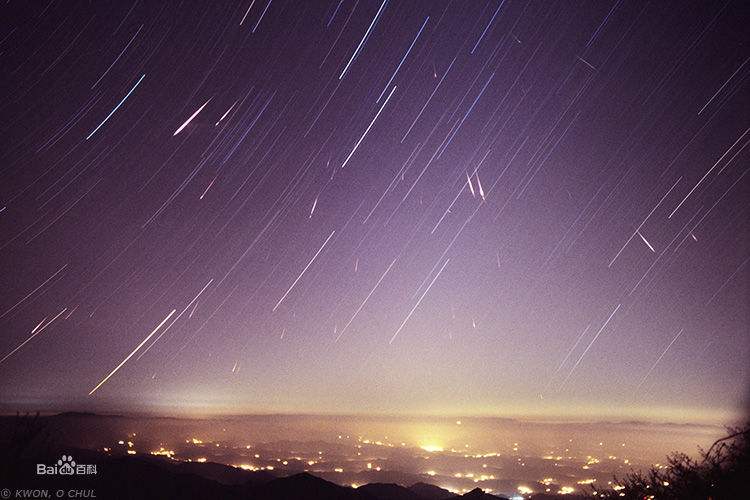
point(348, 206)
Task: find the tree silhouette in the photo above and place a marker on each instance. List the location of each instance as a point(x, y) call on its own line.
point(721, 473)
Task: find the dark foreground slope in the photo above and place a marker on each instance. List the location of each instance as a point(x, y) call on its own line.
point(26, 442)
point(150, 478)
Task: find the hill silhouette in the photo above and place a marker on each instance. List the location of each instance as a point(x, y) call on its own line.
point(27, 443)
point(145, 478)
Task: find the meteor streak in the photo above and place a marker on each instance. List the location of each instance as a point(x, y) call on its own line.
point(659, 358)
point(187, 122)
point(366, 299)
point(34, 333)
point(304, 270)
point(132, 353)
point(591, 343)
point(368, 127)
point(116, 107)
point(418, 302)
point(32, 292)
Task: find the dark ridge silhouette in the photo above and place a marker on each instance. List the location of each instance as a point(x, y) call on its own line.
point(478, 494)
point(305, 485)
point(389, 491)
point(720, 473)
point(224, 474)
point(430, 491)
point(567, 496)
point(28, 442)
point(77, 414)
point(139, 478)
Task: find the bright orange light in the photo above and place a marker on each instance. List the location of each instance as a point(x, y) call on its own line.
point(431, 447)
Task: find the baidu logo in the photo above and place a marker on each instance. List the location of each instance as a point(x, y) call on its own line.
point(66, 466)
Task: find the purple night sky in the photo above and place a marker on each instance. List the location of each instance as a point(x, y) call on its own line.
point(491, 207)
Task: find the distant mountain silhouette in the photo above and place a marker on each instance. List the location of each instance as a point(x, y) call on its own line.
point(431, 492)
point(478, 494)
point(223, 474)
point(388, 491)
point(305, 485)
point(27, 441)
point(149, 478)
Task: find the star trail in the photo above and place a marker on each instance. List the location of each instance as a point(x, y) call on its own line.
point(493, 207)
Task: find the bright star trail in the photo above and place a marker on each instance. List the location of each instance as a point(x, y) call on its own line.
point(376, 206)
